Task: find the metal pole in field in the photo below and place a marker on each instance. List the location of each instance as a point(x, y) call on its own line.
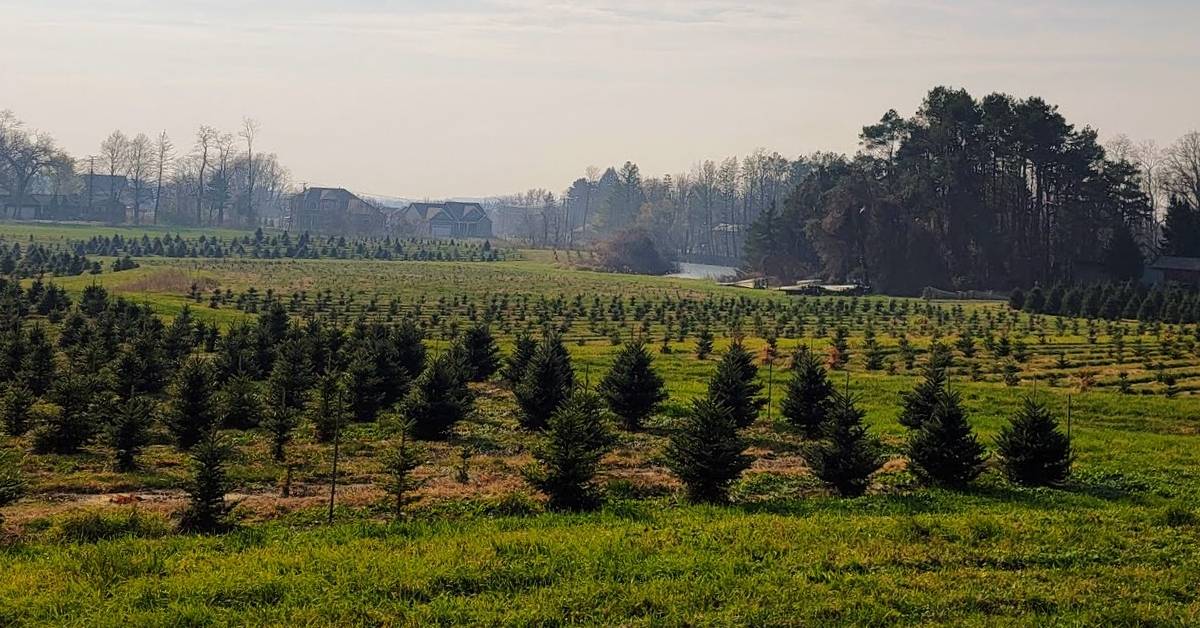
point(337, 436)
point(1068, 419)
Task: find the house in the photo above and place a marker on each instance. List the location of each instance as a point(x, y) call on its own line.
point(1169, 268)
point(449, 219)
point(334, 210)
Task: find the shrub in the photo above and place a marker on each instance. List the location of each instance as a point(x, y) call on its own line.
point(633, 251)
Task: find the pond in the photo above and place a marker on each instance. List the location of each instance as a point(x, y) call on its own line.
point(688, 270)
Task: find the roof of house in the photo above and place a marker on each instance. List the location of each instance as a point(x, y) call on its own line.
point(1171, 262)
point(449, 210)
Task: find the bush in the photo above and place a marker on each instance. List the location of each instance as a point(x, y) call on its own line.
point(1033, 452)
point(633, 251)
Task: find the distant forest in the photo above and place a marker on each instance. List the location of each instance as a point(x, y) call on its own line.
point(968, 193)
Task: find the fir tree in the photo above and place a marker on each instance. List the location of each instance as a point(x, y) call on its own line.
point(481, 354)
point(38, 361)
point(12, 481)
point(400, 459)
point(191, 412)
point(280, 422)
point(16, 404)
point(848, 454)
point(734, 385)
point(207, 511)
point(70, 422)
point(523, 349)
point(706, 452)
point(568, 457)
point(546, 384)
point(1033, 451)
point(128, 431)
point(239, 403)
point(631, 388)
point(291, 374)
point(943, 450)
point(365, 386)
point(806, 400)
point(438, 399)
point(704, 343)
point(328, 405)
point(918, 404)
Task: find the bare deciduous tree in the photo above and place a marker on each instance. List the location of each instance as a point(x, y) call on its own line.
point(139, 159)
point(163, 150)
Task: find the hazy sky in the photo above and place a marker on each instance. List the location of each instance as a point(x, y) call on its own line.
point(471, 97)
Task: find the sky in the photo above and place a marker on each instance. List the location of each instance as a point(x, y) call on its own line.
point(433, 99)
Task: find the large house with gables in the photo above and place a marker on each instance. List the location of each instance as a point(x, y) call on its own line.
point(334, 211)
point(450, 219)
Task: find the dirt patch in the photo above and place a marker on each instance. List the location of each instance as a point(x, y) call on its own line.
point(168, 280)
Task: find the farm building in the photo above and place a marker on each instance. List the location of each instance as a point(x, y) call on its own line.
point(450, 219)
point(1169, 268)
point(334, 210)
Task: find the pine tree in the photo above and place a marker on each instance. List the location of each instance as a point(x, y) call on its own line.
point(128, 431)
point(848, 454)
point(523, 349)
point(546, 384)
point(806, 401)
point(240, 404)
point(704, 343)
point(191, 412)
point(918, 404)
point(400, 459)
point(207, 511)
point(706, 452)
point(16, 404)
point(1033, 451)
point(568, 457)
point(734, 385)
point(438, 399)
point(631, 388)
point(943, 450)
point(481, 354)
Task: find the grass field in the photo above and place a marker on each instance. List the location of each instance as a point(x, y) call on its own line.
point(1117, 544)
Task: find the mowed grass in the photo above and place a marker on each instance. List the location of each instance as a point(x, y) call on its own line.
point(1117, 545)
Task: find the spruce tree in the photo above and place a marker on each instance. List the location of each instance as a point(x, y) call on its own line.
point(848, 454)
point(207, 511)
point(704, 343)
point(239, 403)
point(70, 421)
point(734, 385)
point(438, 399)
point(481, 354)
point(1033, 451)
point(943, 450)
point(280, 423)
point(12, 481)
point(706, 452)
point(364, 386)
point(128, 431)
point(400, 459)
point(918, 404)
point(328, 405)
point(191, 411)
point(546, 384)
point(38, 365)
point(291, 374)
point(806, 400)
point(568, 457)
point(16, 404)
point(523, 349)
point(631, 388)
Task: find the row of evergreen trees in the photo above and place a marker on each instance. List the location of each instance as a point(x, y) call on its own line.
point(1172, 303)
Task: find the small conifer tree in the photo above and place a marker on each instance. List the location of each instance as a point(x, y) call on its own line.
point(806, 401)
point(481, 354)
point(70, 422)
point(207, 510)
point(918, 404)
point(848, 454)
point(546, 384)
point(1033, 451)
point(239, 403)
point(16, 404)
point(734, 386)
point(401, 458)
point(514, 367)
point(280, 422)
point(631, 388)
point(575, 440)
point(944, 450)
point(191, 412)
point(12, 481)
point(128, 431)
point(438, 399)
point(328, 406)
point(707, 452)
